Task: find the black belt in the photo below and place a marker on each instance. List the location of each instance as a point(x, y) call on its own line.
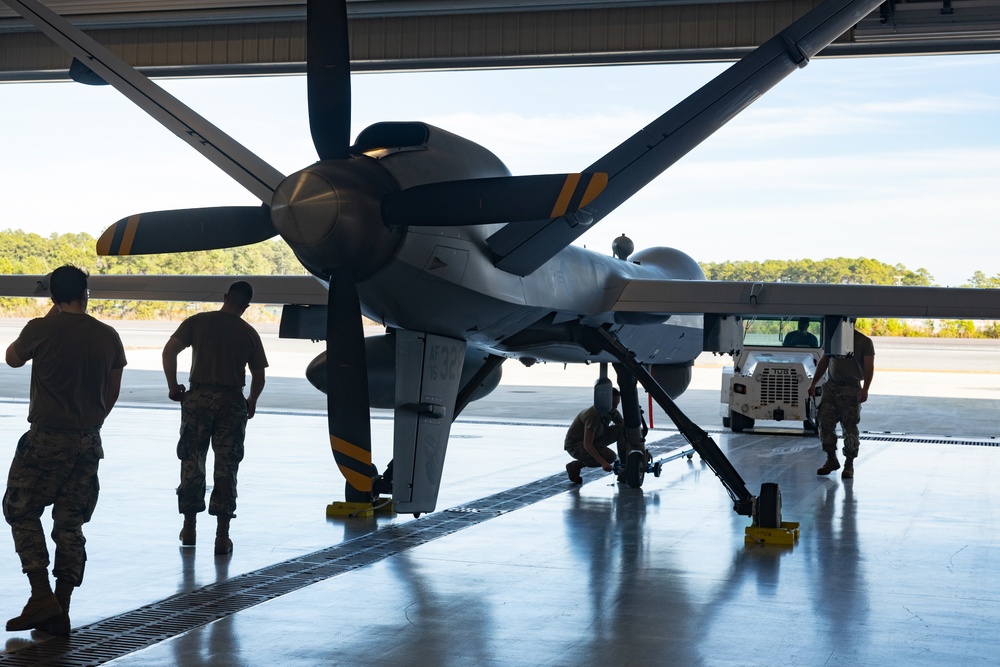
point(216, 387)
point(48, 430)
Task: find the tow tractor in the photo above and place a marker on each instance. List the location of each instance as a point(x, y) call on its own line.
point(771, 373)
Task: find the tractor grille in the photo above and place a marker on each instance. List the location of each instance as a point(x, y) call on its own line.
point(779, 386)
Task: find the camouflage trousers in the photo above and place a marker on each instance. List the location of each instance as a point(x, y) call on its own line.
point(840, 404)
point(58, 469)
point(602, 442)
point(219, 417)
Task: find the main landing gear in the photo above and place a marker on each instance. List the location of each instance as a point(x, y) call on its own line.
point(765, 510)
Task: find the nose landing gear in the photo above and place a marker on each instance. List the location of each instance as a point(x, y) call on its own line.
point(638, 464)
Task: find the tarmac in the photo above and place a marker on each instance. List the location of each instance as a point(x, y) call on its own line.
point(518, 566)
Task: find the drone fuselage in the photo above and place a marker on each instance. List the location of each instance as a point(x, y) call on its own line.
point(443, 280)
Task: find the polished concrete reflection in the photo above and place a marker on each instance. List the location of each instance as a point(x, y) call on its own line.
point(893, 567)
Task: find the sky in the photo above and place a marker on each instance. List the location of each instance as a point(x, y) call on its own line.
point(897, 159)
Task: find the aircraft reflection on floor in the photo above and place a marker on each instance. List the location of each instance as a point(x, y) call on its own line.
point(893, 567)
point(201, 649)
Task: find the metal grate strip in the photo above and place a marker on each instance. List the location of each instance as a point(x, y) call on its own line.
point(986, 441)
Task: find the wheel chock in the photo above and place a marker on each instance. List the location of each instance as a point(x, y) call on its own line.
point(787, 535)
point(338, 508)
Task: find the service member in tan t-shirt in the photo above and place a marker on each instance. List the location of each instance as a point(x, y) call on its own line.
point(76, 373)
point(846, 388)
point(213, 409)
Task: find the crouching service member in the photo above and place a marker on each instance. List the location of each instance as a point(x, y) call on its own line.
point(590, 436)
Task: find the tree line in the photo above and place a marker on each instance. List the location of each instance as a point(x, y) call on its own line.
point(862, 271)
point(838, 270)
point(29, 253)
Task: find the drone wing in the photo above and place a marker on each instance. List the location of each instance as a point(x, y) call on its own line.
point(644, 156)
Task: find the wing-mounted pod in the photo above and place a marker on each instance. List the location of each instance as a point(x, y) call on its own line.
point(380, 351)
point(723, 333)
point(838, 335)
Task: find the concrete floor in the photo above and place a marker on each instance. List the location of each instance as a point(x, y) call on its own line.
point(518, 567)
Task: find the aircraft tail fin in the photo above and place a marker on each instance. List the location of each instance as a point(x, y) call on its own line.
point(428, 377)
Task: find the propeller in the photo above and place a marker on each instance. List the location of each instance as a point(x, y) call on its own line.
point(342, 216)
point(328, 72)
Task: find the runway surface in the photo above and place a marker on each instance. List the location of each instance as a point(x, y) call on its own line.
point(517, 566)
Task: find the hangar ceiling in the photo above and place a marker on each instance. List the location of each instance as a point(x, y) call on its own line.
point(240, 37)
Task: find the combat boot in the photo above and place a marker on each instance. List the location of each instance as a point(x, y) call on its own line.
point(848, 468)
point(831, 464)
point(573, 469)
point(223, 545)
point(188, 535)
point(42, 604)
point(59, 625)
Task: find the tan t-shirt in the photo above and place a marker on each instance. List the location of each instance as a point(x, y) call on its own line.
point(222, 347)
point(852, 369)
point(588, 418)
point(71, 356)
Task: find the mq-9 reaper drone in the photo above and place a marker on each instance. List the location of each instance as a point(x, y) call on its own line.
point(467, 265)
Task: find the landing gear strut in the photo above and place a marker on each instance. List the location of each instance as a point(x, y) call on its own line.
point(744, 503)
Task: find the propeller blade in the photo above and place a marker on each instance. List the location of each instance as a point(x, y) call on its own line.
point(185, 230)
point(328, 71)
point(484, 201)
point(347, 385)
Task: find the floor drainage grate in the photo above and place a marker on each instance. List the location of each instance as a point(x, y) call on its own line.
point(985, 441)
point(140, 628)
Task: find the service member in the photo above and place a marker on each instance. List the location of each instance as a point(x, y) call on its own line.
point(76, 376)
point(214, 409)
point(845, 390)
point(589, 437)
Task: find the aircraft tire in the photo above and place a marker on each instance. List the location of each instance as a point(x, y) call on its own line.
point(769, 506)
point(737, 422)
point(635, 468)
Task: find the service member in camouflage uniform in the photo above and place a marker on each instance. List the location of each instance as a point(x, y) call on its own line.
point(845, 390)
point(75, 379)
point(589, 437)
point(214, 408)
